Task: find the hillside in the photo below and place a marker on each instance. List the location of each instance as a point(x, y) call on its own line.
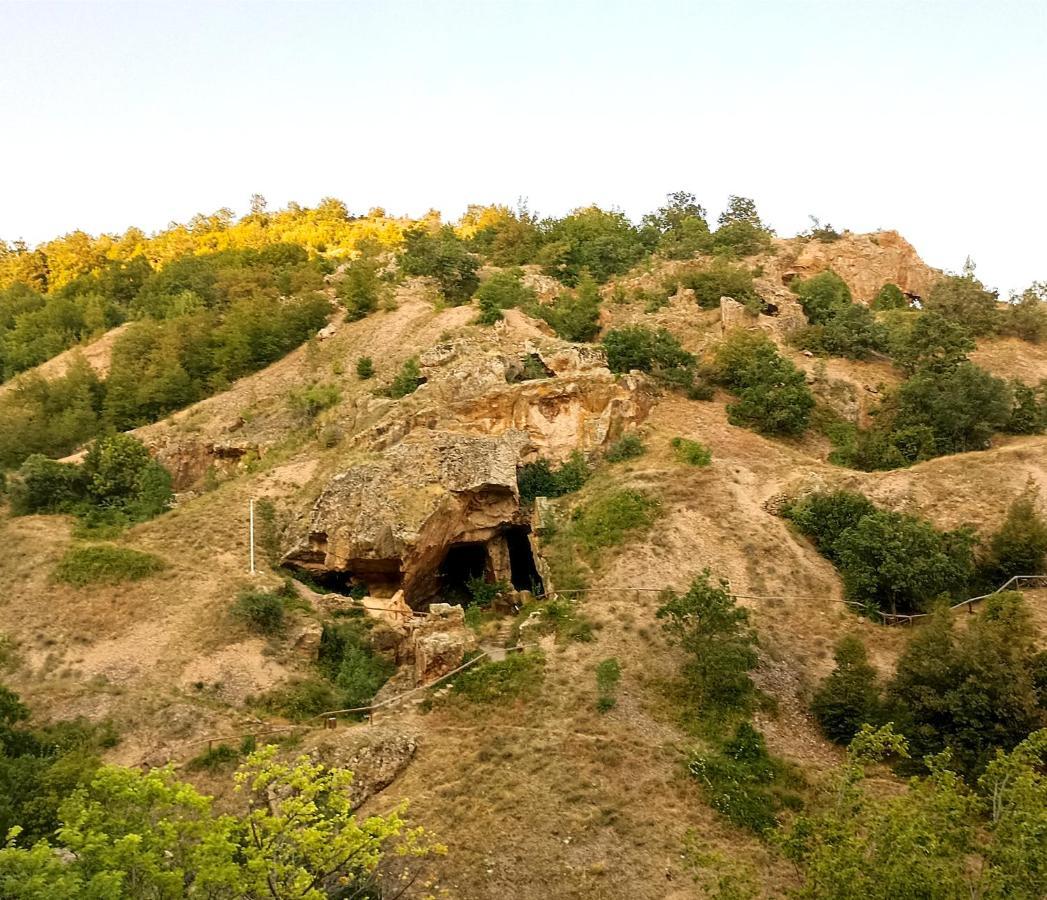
point(408, 497)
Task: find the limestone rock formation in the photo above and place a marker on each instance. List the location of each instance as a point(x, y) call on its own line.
point(440, 642)
point(375, 756)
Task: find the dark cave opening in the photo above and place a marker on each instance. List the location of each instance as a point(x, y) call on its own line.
point(462, 563)
point(525, 575)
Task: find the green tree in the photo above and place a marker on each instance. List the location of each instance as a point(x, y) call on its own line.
point(443, 256)
point(964, 299)
point(890, 296)
point(822, 296)
point(723, 279)
point(590, 240)
point(720, 646)
point(679, 228)
point(575, 316)
point(934, 343)
point(362, 288)
point(503, 290)
point(740, 230)
point(364, 368)
point(1026, 316)
point(1019, 547)
point(849, 697)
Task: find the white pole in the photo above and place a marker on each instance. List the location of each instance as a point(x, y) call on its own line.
point(251, 508)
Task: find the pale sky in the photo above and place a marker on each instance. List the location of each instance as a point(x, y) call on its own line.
point(927, 117)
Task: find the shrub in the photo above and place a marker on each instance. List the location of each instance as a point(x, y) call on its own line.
point(516, 677)
point(900, 563)
point(823, 296)
point(932, 343)
point(562, 618)
point(214, 760)
point(1026, 316)
point(744, 783)
point(503, 290)
point(364, 368)
point(1029, 410)
point(679, 228)
point(311, 401)
point(773, 396)
point(407, 380)
point(43, 485)
point(574, 316)
point(740, 231)
point(722, 279)
point(590, 240)
point(347, 659)
point(105, 564)
point(890, 296)
point(361, 288)
point(720, 646)
point(264, 612)
point(824, 516)
point(691, 452)
point(656, 352)
point(120, 474)
point(628, 446)
point(608, 674)
point(539, 479)
point(484, 592)
point(1019, 547)
point(850, 696)
point(301, 699)
point(963, 299)
point(853, 333)
point(443, 256)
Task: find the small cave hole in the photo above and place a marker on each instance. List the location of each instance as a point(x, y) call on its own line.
point(524, 571)
point(462, 563)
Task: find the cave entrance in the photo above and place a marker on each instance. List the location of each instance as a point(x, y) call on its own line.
point(524, 571)
point(462, 563)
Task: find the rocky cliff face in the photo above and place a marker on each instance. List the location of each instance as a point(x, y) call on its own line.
point(865, 261)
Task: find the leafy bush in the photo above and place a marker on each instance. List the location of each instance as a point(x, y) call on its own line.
point(839, 327)
point(1026, 316)
point(608, 674)
point(773, 396)
point(964, 299)
point(362, 288)
point(364, 368)
point(822, 296)
point(740, 231)
point(678, 229)
point(1019, 547)
point(45, 486)
point(628, 446)
point(590, 240)
point(264, 612)
point(503, 290)
point(120, 473)
point(691, 452)
point(443, 256)
point(301, 699)
point(574, 316)
point(971, 691)
point(105, 564)
point(484, 592)
point(656, 352)
point(850, 696)
point(720, 646)
point(539, 479)
point(895, 561)
point(562, 618)
point(309, 402)
point(347, 659)
point(932, 343)
point(1029, 411)
point(744, 783)
point(722, 279)
point(407, 380)
point(890, 296)
point(214, 759)
point(516, 677)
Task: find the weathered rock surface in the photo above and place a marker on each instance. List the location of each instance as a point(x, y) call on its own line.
point(441, 642)
point(375, 756)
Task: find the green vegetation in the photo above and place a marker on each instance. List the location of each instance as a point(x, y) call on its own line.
point(964, 299)
point(517, 677)
point(141, 835)
point(890, 296)
point(608, 674)
point(891, 561)
point(364, 368)
point(723, 279)
point(503, 290)
point(628, 446)
point(691, 452)
point(348, 661)
point(560, 617)
point(540, 479)
point(265, 612)
point(719, 646)
point(1020, 545)
point(740, 230)
point(850, 697)
point(309, 402)
point(362, 288)
point(744, 783)
point(574, 316)
point(592, 241)
point(773, 396)
point(441, 255)
point(105, 564)
point(937, 839)
point(407, 380)
point(679, 229)
point(608, 519)
point(838, 326)
point(1025, 316)
point(655, 352)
